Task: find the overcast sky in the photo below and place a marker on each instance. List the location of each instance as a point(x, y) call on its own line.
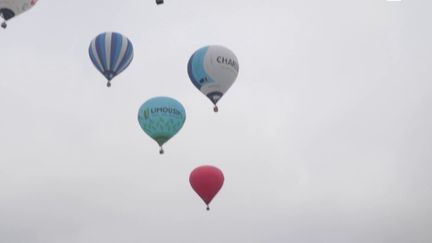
point(324, 137)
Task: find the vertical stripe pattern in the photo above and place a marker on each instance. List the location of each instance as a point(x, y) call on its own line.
point(111, 53)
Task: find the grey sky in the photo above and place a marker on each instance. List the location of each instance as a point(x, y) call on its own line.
point(325, 136)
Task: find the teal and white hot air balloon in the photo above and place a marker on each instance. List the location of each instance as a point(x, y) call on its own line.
point(161, 118)
point(213, 69)
point(111, 53)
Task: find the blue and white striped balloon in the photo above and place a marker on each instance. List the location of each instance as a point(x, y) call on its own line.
point(111, 53)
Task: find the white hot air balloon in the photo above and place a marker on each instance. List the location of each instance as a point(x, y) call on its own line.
point(11, 8)
point(213, 69)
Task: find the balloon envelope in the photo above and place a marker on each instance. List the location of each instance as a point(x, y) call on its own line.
point(161, 118)
point(206, 181)
point(12, 8)
point(213, 69)
point(111, 53)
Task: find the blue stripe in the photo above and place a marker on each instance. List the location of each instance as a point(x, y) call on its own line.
point(190, 73)
point(125, 61)
point(116, 43)
point(200, 76)
point(94, 59)
point(100, 48)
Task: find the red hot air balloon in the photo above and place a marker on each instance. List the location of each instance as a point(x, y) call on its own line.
point(206, 181)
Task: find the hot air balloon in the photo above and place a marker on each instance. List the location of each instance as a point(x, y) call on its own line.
point(12, 8)
point(111, 53)
point(206, 181)
point(161, 118)
point(213, 69)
